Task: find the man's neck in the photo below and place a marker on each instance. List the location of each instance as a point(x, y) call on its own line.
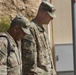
point(38, 21)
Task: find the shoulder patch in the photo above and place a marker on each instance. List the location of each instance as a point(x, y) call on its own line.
point(27, 43)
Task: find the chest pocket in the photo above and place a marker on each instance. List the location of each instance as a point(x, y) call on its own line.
point(13, 59)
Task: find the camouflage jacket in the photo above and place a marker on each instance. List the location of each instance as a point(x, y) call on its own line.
point(28, 47)
point(9, 65)
point(38, 52)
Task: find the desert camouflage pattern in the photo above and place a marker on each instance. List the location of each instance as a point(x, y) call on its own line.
point(13, 67)
point(28, 47)
point(38, 48)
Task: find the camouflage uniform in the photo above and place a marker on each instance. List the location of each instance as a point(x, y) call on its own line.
point(28, 46)
point(13, 67)
point(37, 53)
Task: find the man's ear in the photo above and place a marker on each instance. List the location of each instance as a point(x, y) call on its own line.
point(16, 28)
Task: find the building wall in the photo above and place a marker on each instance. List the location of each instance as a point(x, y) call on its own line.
point(62, 24)
point(60, 29)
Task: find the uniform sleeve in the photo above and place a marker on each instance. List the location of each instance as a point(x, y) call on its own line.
point(3, 56)
point(28, 49)
point(51, 59)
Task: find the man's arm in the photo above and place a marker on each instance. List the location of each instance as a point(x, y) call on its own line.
point(28, 46)
point(3, 56)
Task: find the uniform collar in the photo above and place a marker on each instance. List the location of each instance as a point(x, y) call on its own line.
point(40, 28)
point(9, 35)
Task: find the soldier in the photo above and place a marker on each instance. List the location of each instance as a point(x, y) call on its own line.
point(38, 53)
point(10, 54)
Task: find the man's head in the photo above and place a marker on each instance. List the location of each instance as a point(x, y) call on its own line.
point(48, 7)
point(46, 12)
point(18, 27)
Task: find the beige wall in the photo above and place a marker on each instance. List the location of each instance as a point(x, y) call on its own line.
point(62, 25)
point(60, 29)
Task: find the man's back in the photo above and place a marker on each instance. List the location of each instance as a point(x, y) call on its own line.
point(9, 65)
